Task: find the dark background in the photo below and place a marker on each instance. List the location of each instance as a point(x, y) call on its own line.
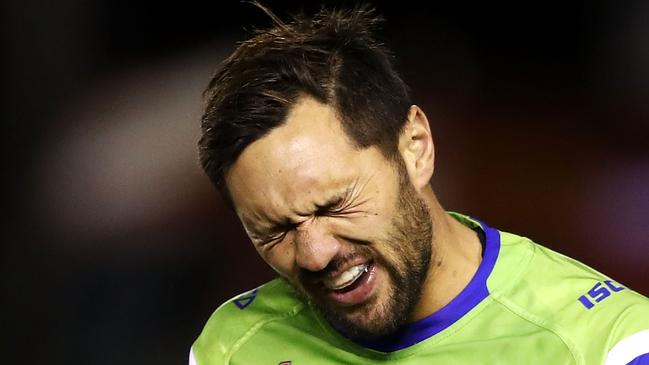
point(116, 249)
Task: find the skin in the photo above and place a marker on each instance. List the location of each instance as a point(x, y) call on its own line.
point(313, 205)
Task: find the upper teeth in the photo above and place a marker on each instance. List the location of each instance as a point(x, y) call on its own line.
point(346, 278)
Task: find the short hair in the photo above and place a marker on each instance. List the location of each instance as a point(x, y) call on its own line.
point(332, 56)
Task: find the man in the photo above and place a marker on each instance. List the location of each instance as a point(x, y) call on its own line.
point(311, 136)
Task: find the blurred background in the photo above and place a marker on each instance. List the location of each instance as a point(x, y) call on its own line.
point(116, 249)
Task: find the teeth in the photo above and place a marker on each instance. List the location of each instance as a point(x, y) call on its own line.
point(346, 278)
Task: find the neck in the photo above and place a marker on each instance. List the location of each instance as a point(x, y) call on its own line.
point(456, 255)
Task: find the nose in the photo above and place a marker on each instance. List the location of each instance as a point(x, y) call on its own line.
point(315, 246)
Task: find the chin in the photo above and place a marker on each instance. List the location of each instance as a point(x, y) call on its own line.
point(366, 321)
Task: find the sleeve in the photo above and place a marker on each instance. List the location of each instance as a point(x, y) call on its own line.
point(632, 350)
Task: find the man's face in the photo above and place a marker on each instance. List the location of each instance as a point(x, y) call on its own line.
point(344, 226)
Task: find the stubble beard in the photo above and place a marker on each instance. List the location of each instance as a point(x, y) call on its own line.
point(406, 260)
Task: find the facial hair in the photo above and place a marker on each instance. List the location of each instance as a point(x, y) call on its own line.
point(405, 255)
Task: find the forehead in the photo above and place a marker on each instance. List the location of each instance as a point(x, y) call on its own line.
point(300, 163)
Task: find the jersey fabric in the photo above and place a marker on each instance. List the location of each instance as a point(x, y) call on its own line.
point(526, 304)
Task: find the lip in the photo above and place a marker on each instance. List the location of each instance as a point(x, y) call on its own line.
point(360, 290)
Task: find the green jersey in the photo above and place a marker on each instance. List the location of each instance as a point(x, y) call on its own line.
point(526, 304)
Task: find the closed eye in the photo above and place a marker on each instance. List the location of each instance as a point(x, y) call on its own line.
point(334, 206)
point(270, 241)
point(342, 207)
point(347, 209)
point(278, 236)
point(345, 204)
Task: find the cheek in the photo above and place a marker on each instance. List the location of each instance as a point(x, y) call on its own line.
point(280, 258)
point(372, 226)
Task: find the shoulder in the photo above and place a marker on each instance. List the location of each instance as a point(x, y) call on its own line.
point(240, 318)
point(588, 310)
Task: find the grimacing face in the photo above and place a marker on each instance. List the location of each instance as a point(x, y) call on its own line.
point(344, 226)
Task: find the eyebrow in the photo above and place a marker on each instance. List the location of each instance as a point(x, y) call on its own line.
point(334, 200)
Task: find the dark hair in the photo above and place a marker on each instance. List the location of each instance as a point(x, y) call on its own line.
point(332, 57)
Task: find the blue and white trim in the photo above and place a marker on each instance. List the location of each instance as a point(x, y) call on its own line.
point(633, 350)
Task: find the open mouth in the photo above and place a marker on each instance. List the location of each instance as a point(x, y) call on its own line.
point(347, 278)
point(353, 286)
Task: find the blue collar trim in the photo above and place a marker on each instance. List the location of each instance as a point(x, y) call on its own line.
point(474, 293)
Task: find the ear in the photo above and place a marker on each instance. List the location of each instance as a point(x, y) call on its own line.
point(417, 148)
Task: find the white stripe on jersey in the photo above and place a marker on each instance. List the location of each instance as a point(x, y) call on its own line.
point(192, 359)
point(629, 348)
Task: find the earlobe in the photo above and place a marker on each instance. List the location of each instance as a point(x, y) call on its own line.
point(417, 148)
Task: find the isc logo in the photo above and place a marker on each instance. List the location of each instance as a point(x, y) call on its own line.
point(598, 293)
